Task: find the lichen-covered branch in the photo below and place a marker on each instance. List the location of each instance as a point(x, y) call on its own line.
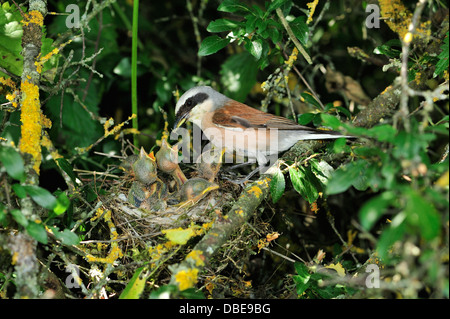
point(31, 114)
point(185, 274)
point(23, 249)
point(22, 246)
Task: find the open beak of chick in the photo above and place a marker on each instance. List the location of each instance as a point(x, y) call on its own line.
point(144, 168)
point(167, 161)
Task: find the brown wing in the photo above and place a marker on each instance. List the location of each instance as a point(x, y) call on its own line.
point(239, 115)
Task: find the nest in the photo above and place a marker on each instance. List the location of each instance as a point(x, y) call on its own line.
point(141, 223)
point(148, 200)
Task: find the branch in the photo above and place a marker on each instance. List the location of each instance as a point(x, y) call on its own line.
point(292, 36)
point(406, 43)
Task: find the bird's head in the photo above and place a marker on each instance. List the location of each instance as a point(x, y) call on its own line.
point(193, 104)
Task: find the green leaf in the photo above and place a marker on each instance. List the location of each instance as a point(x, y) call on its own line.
point(62, 203)
point(41, 196)
point(442, 64)
point(13, 163)
point(19, 217)
point(250, 23)
point(192, 293)
point(3, 212)
point(310, 99)
point(135, 286)
point(212, 44)
point(306, 118)
point(179, 235)
point(255, 48)
point(302, 279)
point(300, 29)
point(67, 237)
point(123, 68)
point(66, 167)
point(388, 50)
point(221, 25)
point(78, 128)
point(277, 185)
point(390, 235)
point(345, 177)
point(331, 121)
point(374, 208)
point(322, 170)
point(274, 34)
point(257, 11)
point(422, 214)
point(164, 292)
point(238, 75)
point(37, 231)
point(10, 39)
point(340, 145)
point(303, 184)
point(344, 111)
point(19, 190)
point(383, 132)
point(273, 6)
point(233, 6)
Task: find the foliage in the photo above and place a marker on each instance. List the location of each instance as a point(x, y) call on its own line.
point(379, 198)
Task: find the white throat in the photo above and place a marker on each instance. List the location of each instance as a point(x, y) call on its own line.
point(200, 110)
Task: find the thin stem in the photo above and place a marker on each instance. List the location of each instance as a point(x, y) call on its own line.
point(134, 45)
point(292, 36)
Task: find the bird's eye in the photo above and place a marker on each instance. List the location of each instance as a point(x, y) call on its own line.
point(189, 102)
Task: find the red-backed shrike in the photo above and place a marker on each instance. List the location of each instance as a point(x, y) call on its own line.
point(240, 128)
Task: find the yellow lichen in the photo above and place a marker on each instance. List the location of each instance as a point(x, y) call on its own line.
point(255, 190)
point(240, 212)
point(262, 243)
point(197, 257)
point(292, 58)
point(312, 7)
point(115, 251)
point(45, 121)
point(12, 95)
point(41, 60)
point(398, 18)
point(14, 258)
point(264, 181)
point(116, 128)
point(186, 278)
point(417, 78)
point(31, 123)
point(33, 17)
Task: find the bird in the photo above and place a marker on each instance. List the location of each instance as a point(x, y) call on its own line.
point(192, 191)
point(242, 129)
point(167, 161)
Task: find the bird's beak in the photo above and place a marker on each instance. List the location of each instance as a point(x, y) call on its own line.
point(180, 119)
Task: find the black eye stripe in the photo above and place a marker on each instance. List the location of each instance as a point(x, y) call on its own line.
point(191, 103)
point(196, 99)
